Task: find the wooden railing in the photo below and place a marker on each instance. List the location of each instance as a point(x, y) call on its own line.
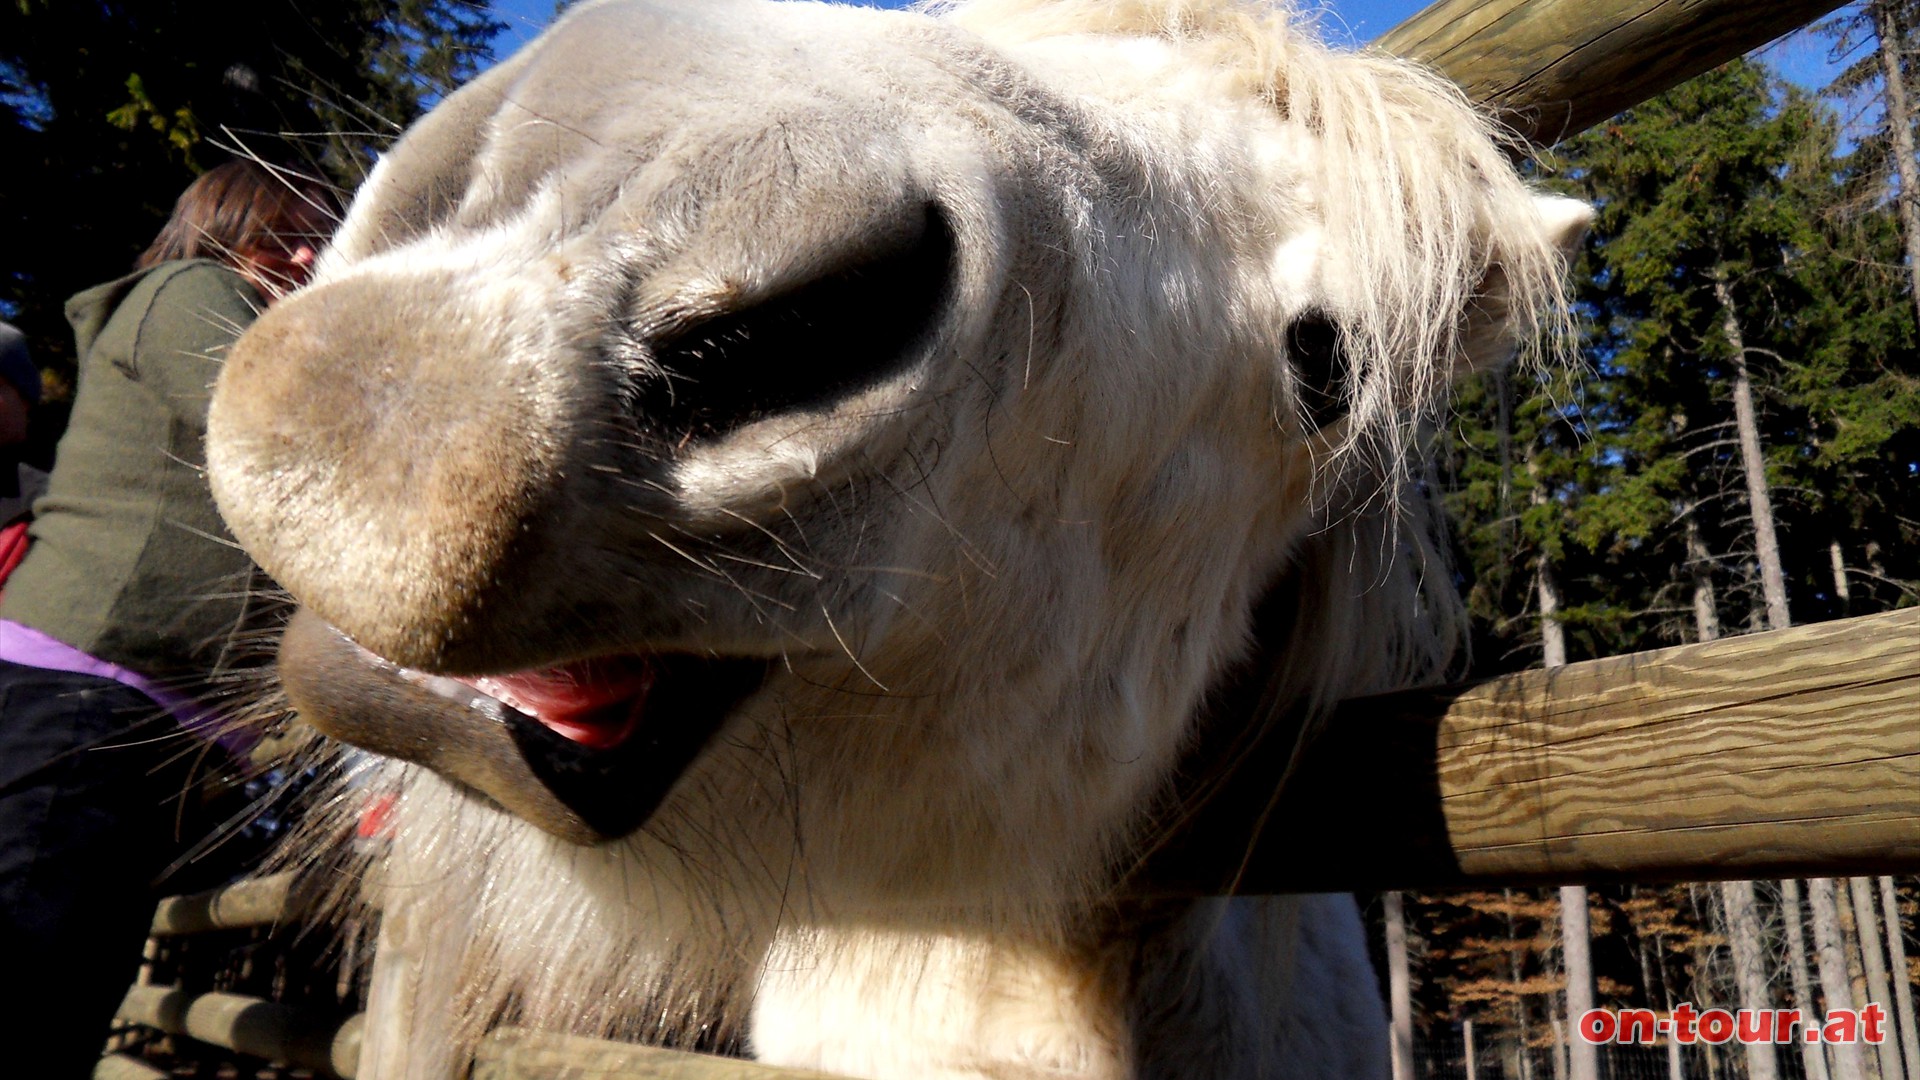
point(1553, 68)
point(321, 1040)
point(1793, 753)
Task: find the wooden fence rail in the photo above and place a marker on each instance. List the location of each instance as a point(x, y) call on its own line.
point(262, 901)
point(1794, 753)
point(330, 1046)
point(126, 1067)
point(1787, 754)
point(326, 1043)
point(1553, 68)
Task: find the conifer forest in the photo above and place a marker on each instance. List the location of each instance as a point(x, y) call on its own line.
point(1738, 450)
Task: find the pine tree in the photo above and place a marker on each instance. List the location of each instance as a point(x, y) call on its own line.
point(1738, 283)
point(1729, 241)
point(1860, 390)
point(1708, 196)
point(108, 109)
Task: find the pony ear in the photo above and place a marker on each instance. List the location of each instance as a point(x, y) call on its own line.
point(1492, 331)
point(1565, 222)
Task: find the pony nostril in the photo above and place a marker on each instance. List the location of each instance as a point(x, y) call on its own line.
point(1320, 368)
point(805, 348)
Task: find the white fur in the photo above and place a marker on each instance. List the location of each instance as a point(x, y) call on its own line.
point(998, 582)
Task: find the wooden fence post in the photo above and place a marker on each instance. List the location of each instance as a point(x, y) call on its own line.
point(1553, 68)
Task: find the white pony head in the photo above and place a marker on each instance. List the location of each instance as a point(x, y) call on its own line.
point(795, 467)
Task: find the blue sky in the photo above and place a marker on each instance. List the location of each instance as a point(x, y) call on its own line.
point(1366, 18)
point(1798, 59)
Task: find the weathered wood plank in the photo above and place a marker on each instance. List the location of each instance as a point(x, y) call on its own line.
point(260, 901)
point(409, 1033)
point(122, 1067)
point(1553, 68)
point(1794, 753)
point(518, 1054)
point(328, 1045)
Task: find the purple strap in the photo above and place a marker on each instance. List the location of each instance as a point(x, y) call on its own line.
point(22, 644)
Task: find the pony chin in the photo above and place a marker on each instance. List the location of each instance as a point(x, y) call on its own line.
point(778, 486)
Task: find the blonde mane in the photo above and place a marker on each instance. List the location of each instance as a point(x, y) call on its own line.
point(1419, 184)
point(1433, 236)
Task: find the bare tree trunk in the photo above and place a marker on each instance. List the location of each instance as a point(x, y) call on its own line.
point(1640, 954)
point(1873, 956)
point(1766, 543)
point(1583, 1057)
point(1519, 1001)
point(1749, 968)
point(1705, 992)
point(1791, 919)
point(1902, 979)
point(1399, 987)
point(1556, 1003)
point(1893, 95)
point(1706, 609)
point(1841, 591)
point(1831, 952)
point(1675, 1066)
point(1559, 1044)
point(1503, 392)
point(1736, 897)
point(1553, 636)
point(1466, 1036)
point(1527, 1071)
point(1856, 965)
point(1576, 937)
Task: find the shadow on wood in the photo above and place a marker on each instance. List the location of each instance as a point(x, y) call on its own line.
point(1787, 754)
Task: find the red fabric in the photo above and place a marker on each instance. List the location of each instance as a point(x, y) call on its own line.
point(13, 548)
point(376, 819)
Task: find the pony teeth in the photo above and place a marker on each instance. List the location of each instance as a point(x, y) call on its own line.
point(475, 698)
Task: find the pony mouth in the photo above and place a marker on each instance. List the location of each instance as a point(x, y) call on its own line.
point(587, 750)
point(596, 704)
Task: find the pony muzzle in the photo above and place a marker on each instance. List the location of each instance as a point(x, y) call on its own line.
point(584, 783)
point(383, 453)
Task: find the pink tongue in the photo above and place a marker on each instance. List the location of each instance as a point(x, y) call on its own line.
point(596, 703)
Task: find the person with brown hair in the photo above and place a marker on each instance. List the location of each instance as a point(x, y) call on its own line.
point(19, 392)
point(264, 223)
point(130, 603)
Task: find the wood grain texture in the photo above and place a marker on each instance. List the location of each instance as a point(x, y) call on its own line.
point(1553, 68)
point(1794, 753)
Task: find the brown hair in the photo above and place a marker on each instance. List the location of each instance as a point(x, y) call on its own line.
point(239, 207)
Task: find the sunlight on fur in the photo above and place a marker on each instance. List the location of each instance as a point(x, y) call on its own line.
point(775, 484)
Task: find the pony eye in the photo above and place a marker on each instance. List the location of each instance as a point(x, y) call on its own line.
point(806, 348)
point(1320, 368)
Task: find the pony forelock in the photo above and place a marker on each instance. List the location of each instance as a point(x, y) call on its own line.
point(1417, 191)
point(1428, 228)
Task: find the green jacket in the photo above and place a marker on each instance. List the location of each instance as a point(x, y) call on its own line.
point(130, 561)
